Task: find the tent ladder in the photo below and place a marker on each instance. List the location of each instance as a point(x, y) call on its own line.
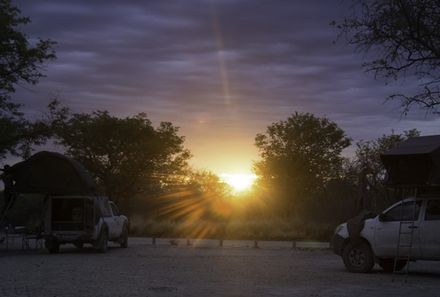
point(404, 247)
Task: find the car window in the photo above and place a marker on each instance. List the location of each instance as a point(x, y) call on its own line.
point(433, 210)
point(114, 209)
point(406, 211)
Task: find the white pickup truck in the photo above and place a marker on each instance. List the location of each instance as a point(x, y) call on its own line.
point(378, 240)
point(83, 220)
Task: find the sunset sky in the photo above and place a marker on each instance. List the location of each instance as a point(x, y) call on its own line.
point(221, 70)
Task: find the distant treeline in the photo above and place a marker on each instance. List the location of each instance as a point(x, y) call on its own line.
point(302, 175)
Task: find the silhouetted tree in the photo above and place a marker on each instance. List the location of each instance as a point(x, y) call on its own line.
point(209, 184)
point(127, 156)
point(403, 37)
point(20, 62)
point(371, 173)
point(202, 196)
point(299, 157)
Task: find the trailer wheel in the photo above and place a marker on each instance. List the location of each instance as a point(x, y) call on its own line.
point(52, 245)
point(101, 243)
point(358, 257)
point(79, 245)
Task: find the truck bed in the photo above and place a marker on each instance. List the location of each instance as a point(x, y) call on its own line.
point(71, 214)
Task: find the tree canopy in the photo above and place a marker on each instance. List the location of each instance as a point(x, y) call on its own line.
point(301, 154)
point(127, 156)
point(403, 38)
point(20, 62)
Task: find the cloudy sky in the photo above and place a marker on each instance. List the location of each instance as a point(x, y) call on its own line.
point(222, 70)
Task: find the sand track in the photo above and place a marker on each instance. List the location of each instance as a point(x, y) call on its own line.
point(204, 270)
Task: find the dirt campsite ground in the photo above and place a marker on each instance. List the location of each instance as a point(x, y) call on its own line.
point(203, 269)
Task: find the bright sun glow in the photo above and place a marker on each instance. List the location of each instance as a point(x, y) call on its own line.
point(239, 182)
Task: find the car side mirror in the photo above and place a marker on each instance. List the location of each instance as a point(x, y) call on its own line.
point(382, 217)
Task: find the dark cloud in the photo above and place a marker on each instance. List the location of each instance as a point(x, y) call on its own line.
point(222, 70)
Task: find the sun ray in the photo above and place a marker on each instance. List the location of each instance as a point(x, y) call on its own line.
point(218, 37)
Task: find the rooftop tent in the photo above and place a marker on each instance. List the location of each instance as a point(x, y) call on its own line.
point(53, 174)
point(414, 162)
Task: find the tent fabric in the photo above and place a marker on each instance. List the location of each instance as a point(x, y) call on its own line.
point(414, 163)
point(52, 174)
point(416, 145)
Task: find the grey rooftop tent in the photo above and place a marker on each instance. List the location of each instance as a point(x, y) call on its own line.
point(414, 163)
point(53, 174)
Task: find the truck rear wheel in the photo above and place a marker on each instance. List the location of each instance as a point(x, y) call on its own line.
point(358, 257)
point(388, 264)
point(101, 243)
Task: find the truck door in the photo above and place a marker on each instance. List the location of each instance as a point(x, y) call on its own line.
point(387, 230)
point(429, 230)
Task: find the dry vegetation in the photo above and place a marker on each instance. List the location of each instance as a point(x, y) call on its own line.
point(269, 229)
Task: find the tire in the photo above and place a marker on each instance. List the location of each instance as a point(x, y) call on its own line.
point(52, 245)
point(79, 245)
point(388, 264)
point(123, 241)
point(358, 257)
point(101, 243)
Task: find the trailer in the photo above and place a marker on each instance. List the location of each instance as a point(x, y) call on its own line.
point(74, 210)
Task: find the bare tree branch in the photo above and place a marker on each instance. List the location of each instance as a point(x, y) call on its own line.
point(403, 37)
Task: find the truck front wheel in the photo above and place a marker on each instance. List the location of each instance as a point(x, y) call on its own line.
point(102, 241)
point(358, 257)
point(123, 241)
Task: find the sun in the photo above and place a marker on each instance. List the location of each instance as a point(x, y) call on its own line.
point(239, 181)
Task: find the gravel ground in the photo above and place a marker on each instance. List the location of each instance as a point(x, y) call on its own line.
point(203, 269)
